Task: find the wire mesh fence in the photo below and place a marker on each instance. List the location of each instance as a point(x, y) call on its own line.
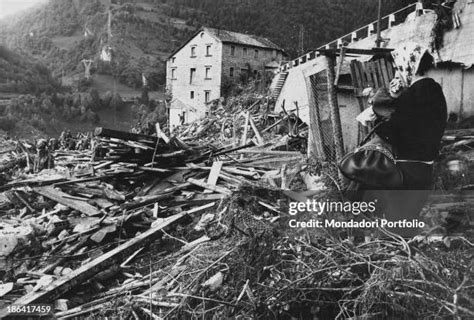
point(322, 144)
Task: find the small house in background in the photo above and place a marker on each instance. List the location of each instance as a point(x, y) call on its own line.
point(302, 82)
point(196, 71)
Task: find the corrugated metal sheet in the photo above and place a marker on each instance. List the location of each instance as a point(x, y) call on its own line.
point(458, 45)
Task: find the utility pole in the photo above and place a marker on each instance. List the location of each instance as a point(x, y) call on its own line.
point(301, 41)
point(379, 39)
point(109, 23)
point(87, 68)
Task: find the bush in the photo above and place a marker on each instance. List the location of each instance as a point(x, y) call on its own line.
point(7, 123)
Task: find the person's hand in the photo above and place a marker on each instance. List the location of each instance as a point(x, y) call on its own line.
point(366, 116)
point(396, 87)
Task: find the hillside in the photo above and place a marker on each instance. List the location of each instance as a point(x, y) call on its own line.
point(145, 32)
point(64, 32)
point(21, 74)
point(280, 20)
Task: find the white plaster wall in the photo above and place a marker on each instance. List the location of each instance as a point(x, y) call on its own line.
point(181, 87)
point(458, 88)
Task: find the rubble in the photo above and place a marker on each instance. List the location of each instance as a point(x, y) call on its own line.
point(150, 226)
point(98, 208)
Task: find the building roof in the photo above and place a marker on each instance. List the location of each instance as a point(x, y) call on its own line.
point(234, 37)
point(241, 38)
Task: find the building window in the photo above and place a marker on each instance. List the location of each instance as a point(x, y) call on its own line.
point(191, 95)
point(231, 72)
point(208, 73)
point(208, 50)
point(192, 75)
point(232, 50)
point(173, 74)
point(173, 60)
point(244, 51)
point(207, 96)
point(256, 53)
point(193, 51)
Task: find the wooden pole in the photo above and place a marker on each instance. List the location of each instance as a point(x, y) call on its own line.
point(334, 107)
point(315, 137)
point(378, 41)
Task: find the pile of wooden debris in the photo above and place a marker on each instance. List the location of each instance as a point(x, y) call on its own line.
point(236, 124)
point(145, 227)
point(77, 227)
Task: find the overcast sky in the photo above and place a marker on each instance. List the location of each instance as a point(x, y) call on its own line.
point(8, 7)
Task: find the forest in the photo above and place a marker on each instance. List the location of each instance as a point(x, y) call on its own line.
point(21, 74)
point(281, 20)
point(42, 46)
point(145, 32)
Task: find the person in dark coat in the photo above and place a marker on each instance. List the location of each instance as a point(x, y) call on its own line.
point(411, 117)
point(416, 126)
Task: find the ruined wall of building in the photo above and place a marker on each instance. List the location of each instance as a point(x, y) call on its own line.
point(238, 59)
point(296, 91)
point(458, 88)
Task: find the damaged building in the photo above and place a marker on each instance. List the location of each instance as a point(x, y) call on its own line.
point(301, 83)
point(196, 71)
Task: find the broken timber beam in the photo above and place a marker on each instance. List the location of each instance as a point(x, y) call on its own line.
point(110, 133)
point(214, 174)
point(205, 185)
point(255, 131)
point(246, 129)
point(78, 276)
point(62, 198)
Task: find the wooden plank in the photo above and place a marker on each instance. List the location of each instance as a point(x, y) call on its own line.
point(198, 199)
point(210, 187)
point(383, 68)
point(255, 131)
point(214, 174)
point(373, 72)
point(390, 70)
point(160, 134)
point(110, 133)
point(78, 276)
point(360, 79)
point(60, 197)
point(342, 55)
point(246, 128)
point(370, 81)
point(363, 74)
point(377, 74)
point(271, 152)
point(378, 71)
point(356, 83)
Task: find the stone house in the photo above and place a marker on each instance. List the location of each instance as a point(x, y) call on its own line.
point(196, 71)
